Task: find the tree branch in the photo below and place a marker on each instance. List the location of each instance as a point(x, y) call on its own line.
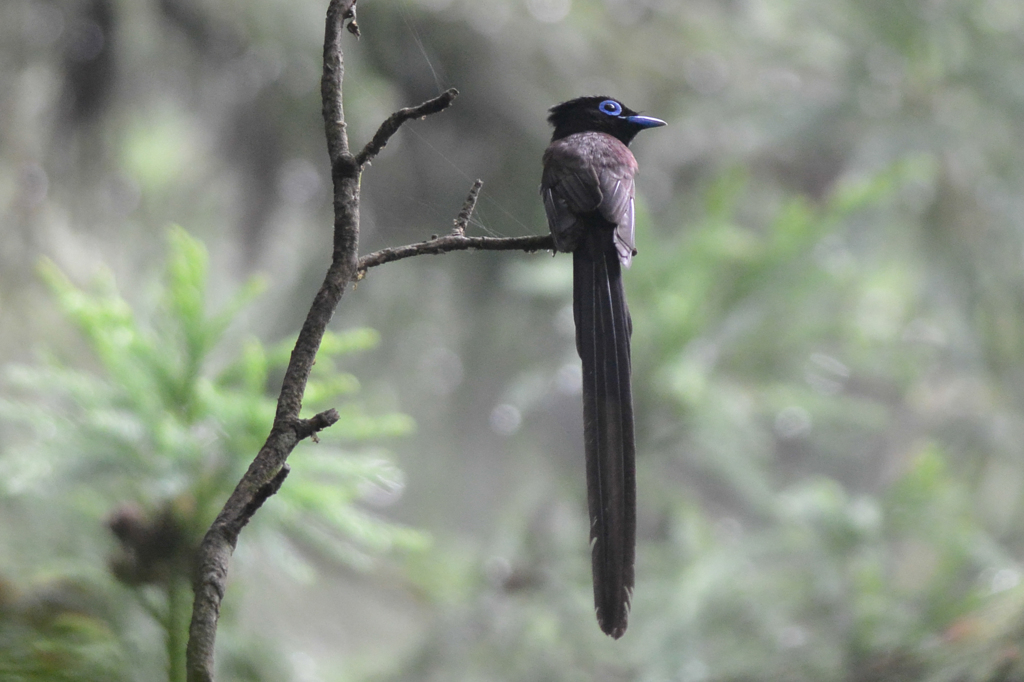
point(268, 470)
point(453, 242)
point(333, 74)
point(395, 121)
point(456, 241)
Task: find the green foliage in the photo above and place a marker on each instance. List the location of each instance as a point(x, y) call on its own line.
point(55, 635)
point(828, 306)
point(812, 568)
point(155, 436)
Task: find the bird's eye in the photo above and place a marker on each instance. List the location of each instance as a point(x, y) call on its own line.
point(610, 107)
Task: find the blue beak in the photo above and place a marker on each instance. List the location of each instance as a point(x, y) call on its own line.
point(645, 121)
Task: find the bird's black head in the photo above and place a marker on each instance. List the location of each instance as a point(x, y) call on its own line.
point(598, 114)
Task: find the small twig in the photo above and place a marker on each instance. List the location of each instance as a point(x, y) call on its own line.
point(454, 243)
point(395, 121)
point(308, 428)
point(349, 15)
point(467, 209)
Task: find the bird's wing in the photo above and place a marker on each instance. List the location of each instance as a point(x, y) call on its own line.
point(617, 191)
point(569, 188)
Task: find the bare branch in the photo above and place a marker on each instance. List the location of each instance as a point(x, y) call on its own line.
point(395, 121)
point(454, 243)
point(268, 470)
point(330, 82)
point(263, 479)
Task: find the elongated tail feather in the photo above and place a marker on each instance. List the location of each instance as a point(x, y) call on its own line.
point(603, 328)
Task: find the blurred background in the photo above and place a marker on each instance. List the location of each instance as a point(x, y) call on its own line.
point(828, 308)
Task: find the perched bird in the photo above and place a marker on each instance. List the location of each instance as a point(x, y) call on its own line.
point(587, 188)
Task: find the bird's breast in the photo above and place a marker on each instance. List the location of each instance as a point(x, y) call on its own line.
point(591, 150)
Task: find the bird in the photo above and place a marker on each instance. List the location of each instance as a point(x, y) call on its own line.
point(588, 193)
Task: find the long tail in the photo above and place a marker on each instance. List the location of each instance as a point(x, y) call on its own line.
point(603, 328)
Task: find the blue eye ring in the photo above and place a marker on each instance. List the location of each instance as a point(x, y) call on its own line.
point(610, 107)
